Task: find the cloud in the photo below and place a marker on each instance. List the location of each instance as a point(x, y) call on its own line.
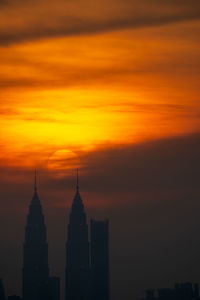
point(155, 166)
point(143, 171)
point(170, 164)
point(24, 21)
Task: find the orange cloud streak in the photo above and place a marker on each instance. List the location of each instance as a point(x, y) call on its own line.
point(75, 94)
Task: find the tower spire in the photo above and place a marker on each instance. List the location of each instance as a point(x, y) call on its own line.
point(35, 267)
point(35, 183)
point(77, 181)
point(77, 262)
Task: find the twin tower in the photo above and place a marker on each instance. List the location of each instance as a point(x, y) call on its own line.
point(87, 264)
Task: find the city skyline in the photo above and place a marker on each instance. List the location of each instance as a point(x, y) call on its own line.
point(112, 88)
point(86, 262)
point(193, 240)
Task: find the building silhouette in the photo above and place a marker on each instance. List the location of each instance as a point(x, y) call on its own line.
point(77, 252)
point(181, 291)
point(2, 290)
point(150, 294)
point(14, 297)
point(87, 268)
point(50, 290)
point(99, 260)
point(35, 251)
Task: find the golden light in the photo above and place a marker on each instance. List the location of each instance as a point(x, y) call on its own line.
point(63, 159)
point(74, 94)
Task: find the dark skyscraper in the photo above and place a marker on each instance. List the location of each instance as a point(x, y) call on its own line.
point(50, 290)
point(100, 260)
point(35, 256)
point(77, 252)
point(2, 291)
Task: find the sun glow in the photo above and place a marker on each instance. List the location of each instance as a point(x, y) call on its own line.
point(60, 97)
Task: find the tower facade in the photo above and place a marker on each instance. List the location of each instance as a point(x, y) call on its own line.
point(100, 260)
point(77, 252)
point(35, 251)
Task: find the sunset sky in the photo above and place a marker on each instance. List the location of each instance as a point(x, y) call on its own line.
point(76, 76)
point(110, 87)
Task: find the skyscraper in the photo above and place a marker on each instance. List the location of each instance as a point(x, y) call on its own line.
point(2, 291)
point(50, 290)
point(35, 254)
point(100, 260)
point(77, 252)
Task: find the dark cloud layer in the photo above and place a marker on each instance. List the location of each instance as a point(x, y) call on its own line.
point(151, 194)
point(22, 20)
point(160, 165)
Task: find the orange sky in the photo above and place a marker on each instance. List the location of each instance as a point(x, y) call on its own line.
point(111, 87)
point(62, 96)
